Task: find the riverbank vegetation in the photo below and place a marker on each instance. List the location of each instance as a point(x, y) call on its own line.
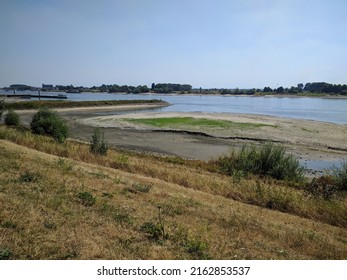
point(37, 104)
point(119, 204)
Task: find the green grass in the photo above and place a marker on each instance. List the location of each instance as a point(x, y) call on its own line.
point(189, 121)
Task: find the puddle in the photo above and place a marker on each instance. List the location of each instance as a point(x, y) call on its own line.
point(319, 167)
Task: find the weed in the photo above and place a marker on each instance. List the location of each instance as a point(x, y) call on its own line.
point(155, 231)
point(64, 164)
point(137, 188)
point(86, 199)
point(5, 254)
point(98, 145)
point(122, 216)
point(28, 177)
point(340, 176)
point(143, 188)
point(49, 225)
point(324, 186)
point(196, 248)
point(9, 224)
point(122, 160)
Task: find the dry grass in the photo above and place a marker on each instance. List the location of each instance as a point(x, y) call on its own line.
point(264, 192)
point(44, 216)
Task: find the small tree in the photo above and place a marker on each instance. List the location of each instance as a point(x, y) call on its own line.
point(98, 145)
point(47, 122)
point(12, 118)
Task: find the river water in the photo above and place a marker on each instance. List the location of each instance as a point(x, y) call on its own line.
point(332, 110)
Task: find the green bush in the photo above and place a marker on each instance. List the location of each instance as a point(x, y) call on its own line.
point(340, 177)
point(47, 122)
point(5, 254)
point(86, 199)
point(12, 118)
point(269, 160)
point(154, 231)
point(98, 144)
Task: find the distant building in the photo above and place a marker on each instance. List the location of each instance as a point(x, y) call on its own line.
point(47, 87)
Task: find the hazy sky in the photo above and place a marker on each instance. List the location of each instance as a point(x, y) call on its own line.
point(212, 43)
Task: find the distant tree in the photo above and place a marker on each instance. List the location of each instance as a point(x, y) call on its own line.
point(153, 86)
point(293, 90)
point(267, 89)
point(280, 90)
point(144, 89)
point(300, 87)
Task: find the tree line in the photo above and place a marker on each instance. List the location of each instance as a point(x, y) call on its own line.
point(316, 87)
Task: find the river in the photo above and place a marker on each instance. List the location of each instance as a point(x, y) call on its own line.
point(332, 110)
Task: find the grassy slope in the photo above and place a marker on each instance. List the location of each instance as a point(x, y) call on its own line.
point(42, 216)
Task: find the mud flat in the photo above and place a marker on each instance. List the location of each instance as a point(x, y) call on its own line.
point(308, 140)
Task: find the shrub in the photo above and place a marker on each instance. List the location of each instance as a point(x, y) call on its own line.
point(28, 177)
point(269, 160)
point(324, 186)
point(196, 248)
point(86, 198)
point(5, 254)
point(154, 231)
point(12, 118)
point(340, 176)
point(2, 107)
point(98, 144)
point(47, 122)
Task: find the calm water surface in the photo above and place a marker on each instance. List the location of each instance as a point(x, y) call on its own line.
point(319, 109)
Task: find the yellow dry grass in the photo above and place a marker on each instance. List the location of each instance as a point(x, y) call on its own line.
point(43, 217)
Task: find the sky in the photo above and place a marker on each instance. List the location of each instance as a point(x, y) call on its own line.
point(205, 43)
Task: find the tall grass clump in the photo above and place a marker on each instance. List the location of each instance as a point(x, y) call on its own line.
point(268, 160)
point(2, 107)
point(47, 122)
point(98, 145)
point(12, 118)
point(340, 177)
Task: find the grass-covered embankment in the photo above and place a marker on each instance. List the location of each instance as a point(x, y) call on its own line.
point(62, 202)
point(56, 104)
point(264, 191)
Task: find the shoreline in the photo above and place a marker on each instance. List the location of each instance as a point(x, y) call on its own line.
point(308, 140)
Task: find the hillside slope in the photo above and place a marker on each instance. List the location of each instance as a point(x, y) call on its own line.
point(60, 208)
